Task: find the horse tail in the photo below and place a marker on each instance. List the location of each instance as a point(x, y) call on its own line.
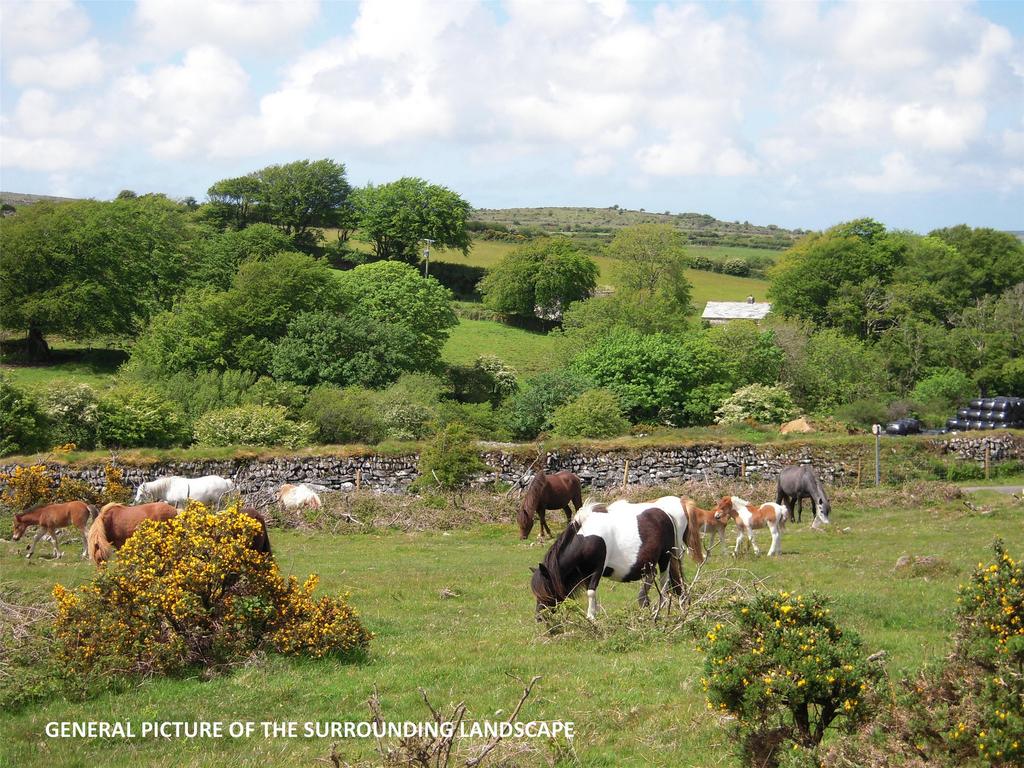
point(93, 511)
point(693, 542)
point(577, 494)
point(99, 546)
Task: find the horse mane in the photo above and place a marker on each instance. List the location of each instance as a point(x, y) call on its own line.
point(534, 489)
point(550, 561)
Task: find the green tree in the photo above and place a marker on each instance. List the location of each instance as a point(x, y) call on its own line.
point(450, 461)
point(296, 197)
point(994, 260)
point(304, 194)
point(85, 268)
point(838, 369)
point(544, 276)
point(652, 260)
point(394, 218)
point(530, 411)
point(677, 380)
point(233, 203)
point(216, 257)
point(752, 355)
point(837, 278)
point(346, 349)
point(388, 292)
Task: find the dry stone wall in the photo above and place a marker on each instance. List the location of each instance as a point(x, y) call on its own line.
point(836, 465)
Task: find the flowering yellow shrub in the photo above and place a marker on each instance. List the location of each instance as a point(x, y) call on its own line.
point(190, 592)
point(25, 487)
point(115, 489)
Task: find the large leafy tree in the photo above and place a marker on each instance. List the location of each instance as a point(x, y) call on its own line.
point(297, 197)
point(652, 263)
point(395, 218)
point(392, 293)
point(544, 276)
point(836, 278)
point(994, 259)
point(86, 268)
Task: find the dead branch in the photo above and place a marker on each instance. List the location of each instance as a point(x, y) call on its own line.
point(473, 762)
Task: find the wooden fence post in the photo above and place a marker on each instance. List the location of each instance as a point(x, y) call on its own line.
point(359, 479)
point(625, 474)
point(988, 459)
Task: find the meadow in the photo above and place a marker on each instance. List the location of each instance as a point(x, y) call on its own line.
point(452, 613)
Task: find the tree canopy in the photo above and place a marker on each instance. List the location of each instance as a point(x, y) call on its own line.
point(542, 277)
point(84, 269)
point(395, 218)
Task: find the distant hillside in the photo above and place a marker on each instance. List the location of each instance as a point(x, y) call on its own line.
point(699, 228)
point(22, 198)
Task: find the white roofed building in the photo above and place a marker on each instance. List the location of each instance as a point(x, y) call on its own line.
point(719, 312)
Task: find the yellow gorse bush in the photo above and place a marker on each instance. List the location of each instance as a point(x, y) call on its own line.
point(192, 591)
point(25, 487)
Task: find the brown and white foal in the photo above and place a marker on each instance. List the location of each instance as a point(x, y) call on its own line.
point(51, 518)
point(748, 517)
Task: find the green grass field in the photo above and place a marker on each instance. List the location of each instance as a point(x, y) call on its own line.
point(75, 362)
point(635, 699)
point(529, 353)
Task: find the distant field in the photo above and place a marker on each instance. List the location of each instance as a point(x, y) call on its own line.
point(529, 353)
point(707, 286)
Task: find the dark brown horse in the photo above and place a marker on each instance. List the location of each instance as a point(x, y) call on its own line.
point(52, 517)
point(548, 492)
point(261, 541)
point(116, 522)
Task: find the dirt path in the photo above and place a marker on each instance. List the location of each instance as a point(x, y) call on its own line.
point(1009, 489)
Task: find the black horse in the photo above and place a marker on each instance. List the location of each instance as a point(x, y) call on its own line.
point(799, 483)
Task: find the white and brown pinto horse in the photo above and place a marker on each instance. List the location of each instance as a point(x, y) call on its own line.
point(297, 496)
point(51, 518)
point(749, 517)
point(623, 541)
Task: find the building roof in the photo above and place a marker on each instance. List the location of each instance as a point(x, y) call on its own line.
point(735, 310)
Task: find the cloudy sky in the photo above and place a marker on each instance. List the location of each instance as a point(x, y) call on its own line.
point(798, 114)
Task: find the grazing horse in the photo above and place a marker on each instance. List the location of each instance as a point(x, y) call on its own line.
point(52, 517)
point(116, 522)
point(177, 491)
point(623, 541)
point(708, 523)
point(798, 483)
point(546, 492)
point(748, 517)
point(261, 541)
point(297, 496)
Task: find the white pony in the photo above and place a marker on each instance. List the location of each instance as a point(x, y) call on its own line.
point(177, 491)
point(296, 496)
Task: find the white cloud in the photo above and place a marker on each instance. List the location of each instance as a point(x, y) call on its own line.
point(46, 154)
point(937, 126)
point(170, 25)
point(31, 27)
point(898, 175)
point(63, 70)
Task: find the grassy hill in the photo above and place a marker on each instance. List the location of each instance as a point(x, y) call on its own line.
point(699, 228)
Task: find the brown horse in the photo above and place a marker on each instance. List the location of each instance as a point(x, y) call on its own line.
point(707, 521)
point(548, 492)
point(116, 522)
point(51, 518)
point(261, 541)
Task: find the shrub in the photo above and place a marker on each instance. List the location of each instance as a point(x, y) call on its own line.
point(25, 487)
point(192, 592)
point(595, 413)
point(73, 412)
point(736, 266)
point(863, 412)
point(787, 673)
point(702, 263)
point(450, 461)
point(756, 402)
point(488, 380)
point(941, 392)
point(132, 416)
point(967, 710)
point(350, 415)
point(21, 422)
point(252, 425)
point(530, 411)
